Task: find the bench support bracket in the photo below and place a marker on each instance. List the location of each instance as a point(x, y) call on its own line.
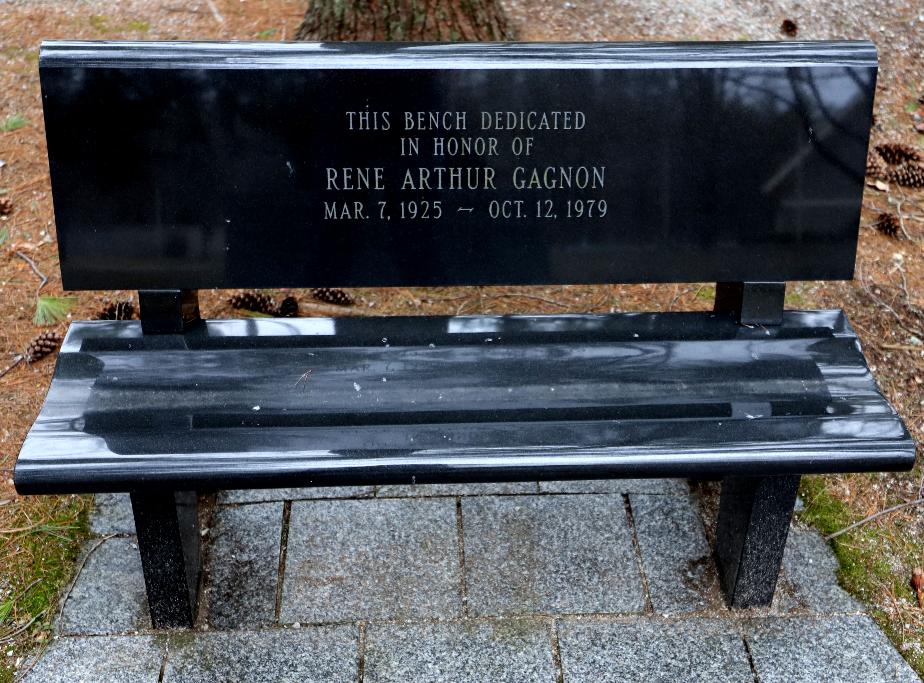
point(168, 311)
point(167, 523)
point(752, 303)
point(754, 517)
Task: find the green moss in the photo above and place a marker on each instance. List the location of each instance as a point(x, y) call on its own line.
point(867, 557)
point(54, 545)
point(822, 510)
point(49, 551)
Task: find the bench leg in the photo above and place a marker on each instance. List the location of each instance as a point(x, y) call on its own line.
point(754, 517)
point(167, 524)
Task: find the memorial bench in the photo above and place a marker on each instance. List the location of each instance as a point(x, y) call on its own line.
point(185, 166)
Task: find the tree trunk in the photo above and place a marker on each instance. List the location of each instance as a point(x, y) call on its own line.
point(407, 20)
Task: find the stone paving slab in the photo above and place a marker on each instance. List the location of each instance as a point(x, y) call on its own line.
point(112, 514)
point(303, 655)
point(671, 487)
point(397, 562)
point(244, 565)
point(811, 568)
point(367, 559)
point(109, 595)
point(556, 554)
point(101, 659)
point(483, 489)
point(512, 650)
point(676, 557)
point(309, 493)
point(847, 649)
point(605, 651)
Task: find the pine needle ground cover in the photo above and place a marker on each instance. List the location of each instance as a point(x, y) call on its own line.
point(40, 537)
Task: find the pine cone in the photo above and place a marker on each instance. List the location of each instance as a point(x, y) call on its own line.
point(907, 175)
point(288, 308)
point(253, 301)
point(875, 169)
point(789, 28)
point(117, 310)
point(6, 206)
point(888, 224)
point(897, 153)
point(332, 296)
point(42, 345)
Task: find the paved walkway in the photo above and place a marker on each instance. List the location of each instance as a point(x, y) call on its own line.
point(578, 582)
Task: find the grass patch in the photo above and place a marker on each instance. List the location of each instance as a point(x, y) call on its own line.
point(99, 22)
point(39, 557)
point(794, 298)
point(13, 122)
point(875, 561)
point(706, 293)
point(138, 25)
point(52, 309)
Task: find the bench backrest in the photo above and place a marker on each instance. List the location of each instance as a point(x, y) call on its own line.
point(196, 165)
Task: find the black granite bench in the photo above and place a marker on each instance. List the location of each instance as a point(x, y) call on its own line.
point(179, 167)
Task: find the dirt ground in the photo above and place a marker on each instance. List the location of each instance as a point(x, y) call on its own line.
point(885, 303)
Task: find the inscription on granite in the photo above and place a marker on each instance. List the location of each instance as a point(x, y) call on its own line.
point(444, 152)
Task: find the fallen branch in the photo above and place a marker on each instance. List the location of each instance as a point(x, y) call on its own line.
point(7, 637)
point(868, 290)
point(529, 296)
point(335, 311)
point(214, 10)
point(876, 515)
point(80, 566)
point(28, 183)
point(19, 359)
point(901, 218)
point(35, 269)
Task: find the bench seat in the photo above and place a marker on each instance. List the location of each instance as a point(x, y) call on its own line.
point(269, 402)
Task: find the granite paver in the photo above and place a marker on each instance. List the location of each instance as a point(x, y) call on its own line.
point(365, 559)
point(570, 554)
point(482, 489)
point(671, 487)
point(603, 651)
point(676, 557)
point(244, 565)
point(109, 595)
point(842, 649)
point(112, 514)
point(552, 590)
point(327, 654)
point(101, 659)
point(810, 568)
point(307, 493)
point(503, 651)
